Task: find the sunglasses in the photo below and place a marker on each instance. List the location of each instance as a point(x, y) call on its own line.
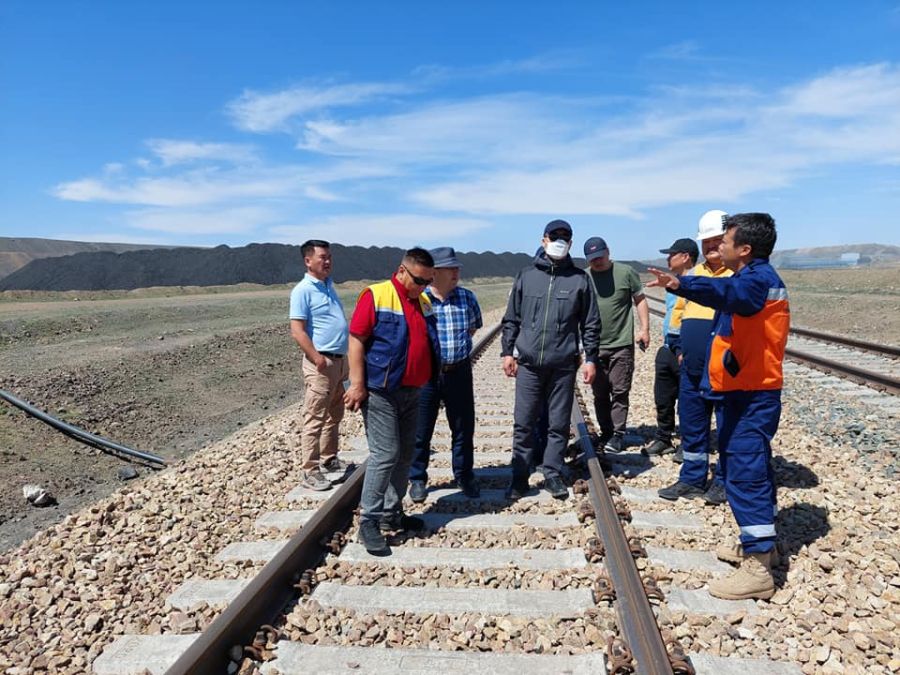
point(418, 281)
point(565, 236)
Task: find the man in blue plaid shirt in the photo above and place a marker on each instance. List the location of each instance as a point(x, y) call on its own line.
point(458, 317)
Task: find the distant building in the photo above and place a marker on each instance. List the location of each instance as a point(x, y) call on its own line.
point(798, 262)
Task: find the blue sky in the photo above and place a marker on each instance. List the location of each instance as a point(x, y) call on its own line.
point(467, 123)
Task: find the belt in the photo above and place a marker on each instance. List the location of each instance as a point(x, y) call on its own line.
point(450, 367)
point(330, 355)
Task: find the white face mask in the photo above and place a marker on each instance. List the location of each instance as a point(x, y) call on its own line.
point(557, 250)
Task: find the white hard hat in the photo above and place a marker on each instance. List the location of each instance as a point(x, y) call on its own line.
point(712, 224)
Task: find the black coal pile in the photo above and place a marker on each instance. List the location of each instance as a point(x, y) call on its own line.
point(256, 263)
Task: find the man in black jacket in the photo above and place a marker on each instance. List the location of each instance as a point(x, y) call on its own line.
point(550, 306)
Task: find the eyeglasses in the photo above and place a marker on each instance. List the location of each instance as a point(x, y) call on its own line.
point(560, 234)
point(418, 281)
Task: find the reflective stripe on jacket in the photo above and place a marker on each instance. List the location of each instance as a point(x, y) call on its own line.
point(751, 327)
point(387, 346)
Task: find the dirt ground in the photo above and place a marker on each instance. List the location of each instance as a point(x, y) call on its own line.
point(169, 371)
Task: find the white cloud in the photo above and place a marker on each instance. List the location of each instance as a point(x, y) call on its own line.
point(266, 112)
point(243, 219)
point(401, 229)
point(173, 152)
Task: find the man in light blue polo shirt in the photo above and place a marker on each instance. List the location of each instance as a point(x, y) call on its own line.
point(319, 326)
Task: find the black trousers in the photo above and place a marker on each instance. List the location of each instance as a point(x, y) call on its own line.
point(665, 393)
point(539, 390)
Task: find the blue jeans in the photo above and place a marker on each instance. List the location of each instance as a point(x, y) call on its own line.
point(454, 389)
point(390, 419)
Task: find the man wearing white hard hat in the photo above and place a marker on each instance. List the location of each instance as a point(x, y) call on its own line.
point(697, 403)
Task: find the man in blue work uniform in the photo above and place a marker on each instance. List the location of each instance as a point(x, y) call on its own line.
point(458, 317)
point(680, 256)
point(696, 403)
point(745, 366)
point(550, 306)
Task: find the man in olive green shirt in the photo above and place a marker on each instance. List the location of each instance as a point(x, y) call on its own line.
point(616, 287)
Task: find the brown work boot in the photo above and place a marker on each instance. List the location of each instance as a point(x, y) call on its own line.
point(753, 579)
point(732, 551)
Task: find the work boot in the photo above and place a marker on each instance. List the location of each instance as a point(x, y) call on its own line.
point(678, 457)
point(657, 448)
point(715, 494)
point(731, 550)
point(679, 489)
point(372, 539)
point(753, 579)
point(417, 491)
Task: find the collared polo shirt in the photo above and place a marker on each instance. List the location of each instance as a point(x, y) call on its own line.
point(418, 352)
point(457, 314)
point(317, 303)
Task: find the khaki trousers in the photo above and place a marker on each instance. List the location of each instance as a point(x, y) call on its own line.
point(323, 410)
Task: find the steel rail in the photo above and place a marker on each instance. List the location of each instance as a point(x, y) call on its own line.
point(874, 347)
point(634, 614)
point(846, 370)
point(269, 591)
point(863, 376)
point(81, 435)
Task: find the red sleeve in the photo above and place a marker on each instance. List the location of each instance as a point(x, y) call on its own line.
point(363, 320)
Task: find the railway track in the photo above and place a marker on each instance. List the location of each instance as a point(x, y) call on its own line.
point(540, 585)
point(867, 363)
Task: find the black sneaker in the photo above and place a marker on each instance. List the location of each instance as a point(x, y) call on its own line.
point(469, 487)
point(715, 494)
point(337, 465)
point(371, 538)
point(417, 491)
point(516, 490)
point(615, 445)
point(657, 448)
point(679, 489)
point(402, 523)
point(678, 457)
point(555, 486)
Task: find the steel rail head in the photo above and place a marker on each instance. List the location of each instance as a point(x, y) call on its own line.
point(867, 377)
point(276, 584)
point(270, 590)
point(634, 614)
point(81, 435)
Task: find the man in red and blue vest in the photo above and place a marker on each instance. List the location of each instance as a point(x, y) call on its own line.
point(394, 350)
point(745, 365)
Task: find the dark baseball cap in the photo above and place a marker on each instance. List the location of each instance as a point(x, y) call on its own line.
point(594, 248)
point(685, 245)
point(555, 225)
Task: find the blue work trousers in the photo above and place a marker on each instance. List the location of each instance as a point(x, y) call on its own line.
point(390, 419)
point(695, 410)
point(749, 422)
point(453, 388)
point(539, 390)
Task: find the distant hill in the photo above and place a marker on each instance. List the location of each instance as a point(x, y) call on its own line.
point(222, 265)
point(16, 252)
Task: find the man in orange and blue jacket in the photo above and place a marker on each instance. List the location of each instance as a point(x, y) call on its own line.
point(745, 365)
